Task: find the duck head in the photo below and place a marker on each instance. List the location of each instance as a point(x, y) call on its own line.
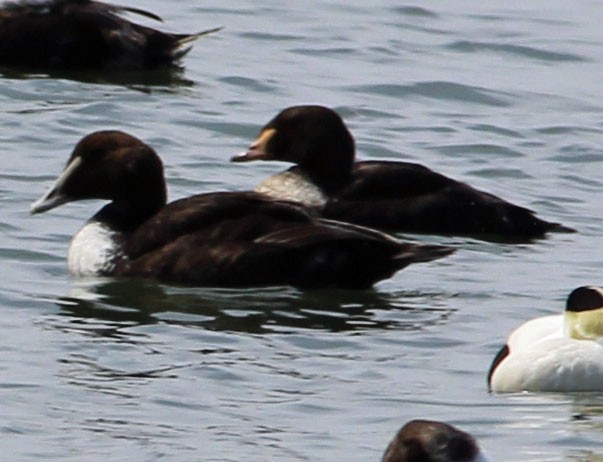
point(432, 441)
point(110, 165)
point(584, 313)
point(313, 137)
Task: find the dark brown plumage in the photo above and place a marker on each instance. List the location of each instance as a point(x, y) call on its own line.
point(224, 239)
point(397, 196)
point(432, 441)
point(85, 35)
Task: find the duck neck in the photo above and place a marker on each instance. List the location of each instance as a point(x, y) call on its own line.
point(329, 182)
point(330, 170)
point(126, 216)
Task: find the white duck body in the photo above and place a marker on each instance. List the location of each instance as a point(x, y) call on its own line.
point(552, 354)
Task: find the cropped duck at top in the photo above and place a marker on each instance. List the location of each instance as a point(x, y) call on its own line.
point(560, 353)
point(85, 35)
point(433, 441)
point(222, 239)
point(397, 196)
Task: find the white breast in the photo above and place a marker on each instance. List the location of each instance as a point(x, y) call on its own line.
point(93, 250)
point(293, 186)
point(542, 358)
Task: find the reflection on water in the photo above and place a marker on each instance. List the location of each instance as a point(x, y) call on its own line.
point(252, 310)
point(139, 80)
point(587, 412)
point(584, 422)
point(584, 456)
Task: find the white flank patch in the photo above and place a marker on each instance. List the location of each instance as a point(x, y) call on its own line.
point(293, 186)
point(93, 250)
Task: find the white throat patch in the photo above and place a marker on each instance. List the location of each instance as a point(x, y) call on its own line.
point(293, 186)
point(93, 250)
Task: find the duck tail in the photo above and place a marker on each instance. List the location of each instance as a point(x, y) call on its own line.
point(138, 11)
point(559, 228)
point(418, 253)
point(184, 39)
point(180, 47)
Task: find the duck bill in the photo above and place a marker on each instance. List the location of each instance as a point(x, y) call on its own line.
point(49, 201)
point(54, 197)
point(258, 149)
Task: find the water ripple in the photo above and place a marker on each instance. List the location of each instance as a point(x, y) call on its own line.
point(478, 149)
point(523, 51)
point(415, 11)
point(487, 128)
point(439, 90)
point(259, 311)
point(248, 83)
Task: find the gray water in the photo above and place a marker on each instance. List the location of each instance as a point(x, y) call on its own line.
point(506, 97)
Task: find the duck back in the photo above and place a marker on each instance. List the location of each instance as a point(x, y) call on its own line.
point(83, 34)
point(410, 197)
point(245, 239)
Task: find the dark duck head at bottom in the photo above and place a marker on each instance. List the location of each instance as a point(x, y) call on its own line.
point(433, 441)
point(222, 239)
point(397, 196)
point(85, 35)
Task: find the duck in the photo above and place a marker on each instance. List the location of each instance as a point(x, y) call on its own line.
point(85, 35)
point(556, 353)
point(217, 239)
point(433, 441)
point(389, 195)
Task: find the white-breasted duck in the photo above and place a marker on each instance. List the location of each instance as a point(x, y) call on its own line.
point(85, 35)
point(222, 239)
point(396, 196)
point(559, 353)
point(433, 441)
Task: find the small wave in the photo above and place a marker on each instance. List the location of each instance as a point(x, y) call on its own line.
point(438, 90)
point(478, 149)
point(415, 11)
point(523, 51)
point(245, 82)
point(486, 128)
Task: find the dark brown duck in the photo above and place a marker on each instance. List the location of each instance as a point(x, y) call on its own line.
point(396, 196)
point(85, 35)
point(433, 441)
point(222, 239)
